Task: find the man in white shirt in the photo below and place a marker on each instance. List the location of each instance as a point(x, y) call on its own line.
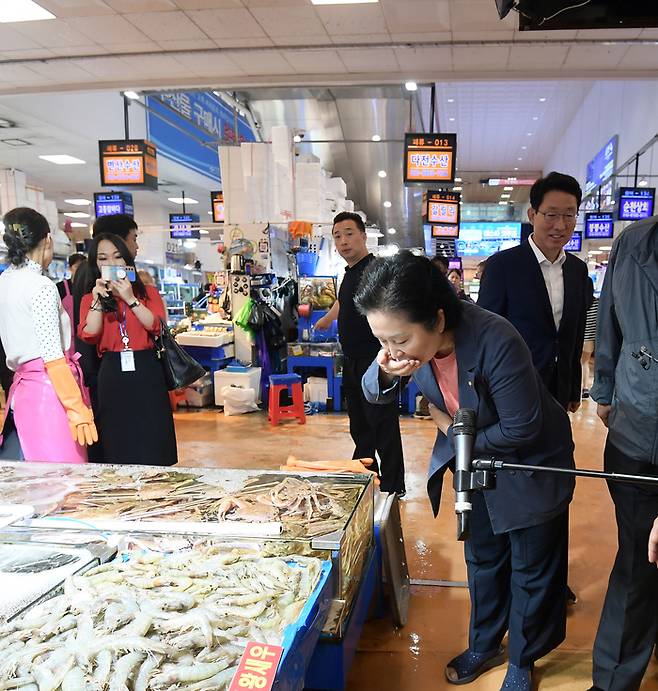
point(542, 290)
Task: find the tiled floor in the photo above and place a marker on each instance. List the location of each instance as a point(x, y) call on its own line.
point(413, 658)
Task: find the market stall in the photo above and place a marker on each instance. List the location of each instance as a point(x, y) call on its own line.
point(208, 563)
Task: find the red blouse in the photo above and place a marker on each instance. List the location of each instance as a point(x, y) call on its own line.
point(110, 337)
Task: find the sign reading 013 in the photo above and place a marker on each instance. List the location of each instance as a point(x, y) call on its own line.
point(128, 163)
point(429, 158)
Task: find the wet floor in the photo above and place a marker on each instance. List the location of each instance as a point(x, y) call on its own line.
point(413, 658)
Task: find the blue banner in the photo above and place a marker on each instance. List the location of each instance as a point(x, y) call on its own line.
point(200, 115)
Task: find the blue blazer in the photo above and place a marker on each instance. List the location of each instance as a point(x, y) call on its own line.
point(513, 286)
point(517, 420)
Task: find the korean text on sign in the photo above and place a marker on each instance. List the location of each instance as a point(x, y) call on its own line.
point(123, 168)
point(430, 166)
point(257, 669)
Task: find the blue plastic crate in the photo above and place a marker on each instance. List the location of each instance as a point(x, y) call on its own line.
point(300, 638)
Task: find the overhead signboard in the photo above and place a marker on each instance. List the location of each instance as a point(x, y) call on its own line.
point(441, 208)
point(217, 204)
point(181, 226)
point(484, 238)
point(636, 203)
point(599, 226)
point(128, 163)
point(575, 244)
point(429, 158)
point(511, 181)
point(602, 166)
point(187, 128)
point(113, 203)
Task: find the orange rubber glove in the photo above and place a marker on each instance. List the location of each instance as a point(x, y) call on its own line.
point(81, 419)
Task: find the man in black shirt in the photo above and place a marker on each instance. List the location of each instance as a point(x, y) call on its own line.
point(374, 428)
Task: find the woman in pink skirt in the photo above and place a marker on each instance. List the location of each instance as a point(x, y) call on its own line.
point(53, 421)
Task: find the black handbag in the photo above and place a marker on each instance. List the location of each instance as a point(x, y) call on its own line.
point(180, 368)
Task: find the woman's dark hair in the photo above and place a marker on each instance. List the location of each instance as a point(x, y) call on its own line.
point(93, 272)
point(554, 181)
point(24, 229)
point(75, 258)
point(410, 284)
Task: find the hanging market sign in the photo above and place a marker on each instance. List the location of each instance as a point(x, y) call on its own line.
point(429, 158)
point(128, 163)
point(113, 203)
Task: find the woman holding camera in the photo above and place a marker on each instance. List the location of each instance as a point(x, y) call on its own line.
point(462, 356)
point(53, 421)
point(120, 316)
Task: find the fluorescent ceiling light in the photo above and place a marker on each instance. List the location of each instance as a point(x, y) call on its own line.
point(458, 179)
point(504, 196)
point(535, 117)
point(182, 200)
point(382, 173)
point(203, 231)
point(524, 148)
point(411, 86)
point(451, 100)
point(503, 203)
point(542, 99)
point(643, 183)
point(376, 138)
point(79, 225)
point(76, 214)
point(518, 159)
point(516, 168)
point(132, 95)
point(78, 202)
point(297, 138)
point(189, 244)
point(210, 213)
point(62, 159)
point(392, 231)
point(508, 189)
point(23, 11)
point(451, 119)
point(343, 2)
point(457, 189)
point(388, 205)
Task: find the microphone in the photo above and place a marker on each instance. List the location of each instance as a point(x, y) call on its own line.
point(463, 432)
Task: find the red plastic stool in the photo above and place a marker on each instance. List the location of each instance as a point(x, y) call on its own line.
point(277, 412)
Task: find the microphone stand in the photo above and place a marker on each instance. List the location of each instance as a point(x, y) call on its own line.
point(486, 468)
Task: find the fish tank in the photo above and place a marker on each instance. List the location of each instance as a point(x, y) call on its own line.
point(329, 516)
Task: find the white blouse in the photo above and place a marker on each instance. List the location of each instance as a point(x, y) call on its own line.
point(33, 323)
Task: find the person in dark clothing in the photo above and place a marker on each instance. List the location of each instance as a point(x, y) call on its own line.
point(65, 286)
point(126, 228)
point(375, 429)
point(543, 290)
point(456, 278)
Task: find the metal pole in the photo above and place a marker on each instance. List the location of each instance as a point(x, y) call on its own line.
point(432, 106)
point(183, 191)
point(126, 119)
point(411, 114)
point(235, 123)
point(494, 465)
point(637, 166)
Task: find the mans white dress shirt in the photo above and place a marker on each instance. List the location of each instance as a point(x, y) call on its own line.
point(553, 278)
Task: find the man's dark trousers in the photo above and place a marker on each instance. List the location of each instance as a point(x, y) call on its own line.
point(627, 631)
point(374, 428)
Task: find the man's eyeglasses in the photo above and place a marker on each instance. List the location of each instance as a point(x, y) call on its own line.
point(552, 217)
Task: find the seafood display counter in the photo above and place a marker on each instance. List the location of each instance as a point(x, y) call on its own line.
point(313, 530)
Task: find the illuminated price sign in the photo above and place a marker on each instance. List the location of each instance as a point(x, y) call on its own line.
point(575, 244)
point(599, 226)
point(217, 203)
point(636, 203)
point(180, 226)
point(128, 163)
point(442, 208)
point(113, 204)
point(429, 158)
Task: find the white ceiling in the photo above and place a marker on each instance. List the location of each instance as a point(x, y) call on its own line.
point(163, 43)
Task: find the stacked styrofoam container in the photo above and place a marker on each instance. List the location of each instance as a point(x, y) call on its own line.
point(257, 175)
point(309, 188)
point(230, 163)
point(283, 176)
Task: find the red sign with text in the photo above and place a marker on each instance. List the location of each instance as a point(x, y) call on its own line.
point(257, 669)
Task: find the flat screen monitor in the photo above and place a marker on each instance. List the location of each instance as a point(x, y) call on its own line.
point(602, 166)
point(575, 244)
point(636, 203)
point(599, 226)
point(454, 263)
point(483, 238)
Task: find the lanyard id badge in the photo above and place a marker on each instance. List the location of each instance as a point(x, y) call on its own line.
point(127, 355)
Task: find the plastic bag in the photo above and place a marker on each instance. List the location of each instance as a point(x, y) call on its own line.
point(242, 317)
point(238, 401)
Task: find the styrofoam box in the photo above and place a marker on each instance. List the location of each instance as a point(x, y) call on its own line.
point(198, 338)
point(250, 379)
